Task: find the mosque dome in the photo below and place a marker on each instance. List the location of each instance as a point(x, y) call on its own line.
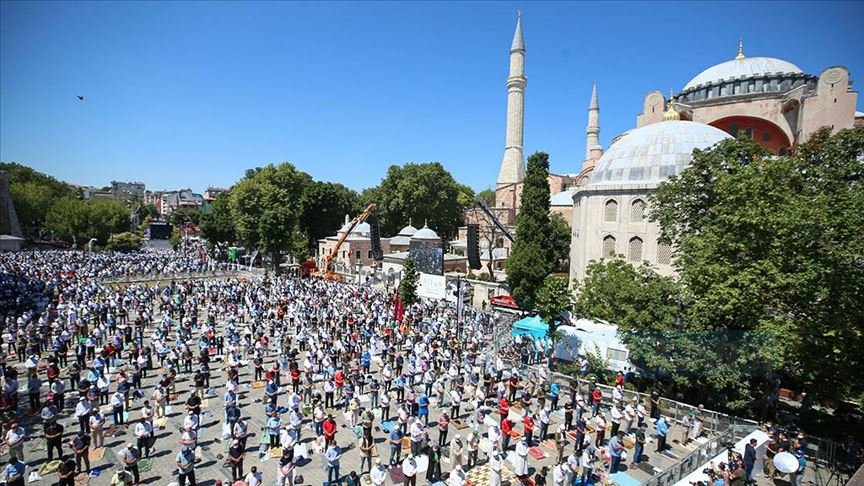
point(425, 233)
point(408, 231)
point(653, 153)
point(742, 67)
point(360, 229)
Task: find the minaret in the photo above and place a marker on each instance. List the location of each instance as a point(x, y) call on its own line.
point(513, 165)
point(593, 149)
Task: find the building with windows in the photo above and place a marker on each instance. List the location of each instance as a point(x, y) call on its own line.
point(771, 101)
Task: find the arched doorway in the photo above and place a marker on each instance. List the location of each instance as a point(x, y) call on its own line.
point(760, 131)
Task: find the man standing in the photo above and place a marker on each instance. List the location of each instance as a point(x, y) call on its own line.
point(130, 456)
point(333, 456)
point(54, 438)
point(616, 447)
point(235, 457)
point(749, 460)
point(122, 477)
point(395, 445)
point(81, 445)
point(15, 440)
point(639, 448)
point(409, 469)
point(378, 475)
point(186, 467)
point(97, 429)
point(662, 431)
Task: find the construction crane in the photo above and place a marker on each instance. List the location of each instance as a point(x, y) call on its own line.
point(329, 274)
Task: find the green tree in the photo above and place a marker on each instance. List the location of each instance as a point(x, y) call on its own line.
point(408, 285)
point(422, 193)
point(124, 242)
point(217, 224)
point(267, 210)
point(74, 219)
point(33, 194)
point(325, 204)
point(531, 259)
point(487, 196)
point(559, 241)
point(769, 247)
point(553, 299)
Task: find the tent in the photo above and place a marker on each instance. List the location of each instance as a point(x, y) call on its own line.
point(532, 326)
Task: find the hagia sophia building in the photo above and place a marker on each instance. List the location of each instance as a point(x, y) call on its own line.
point(770, 100)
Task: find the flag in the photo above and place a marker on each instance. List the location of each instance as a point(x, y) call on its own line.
point(398, 308)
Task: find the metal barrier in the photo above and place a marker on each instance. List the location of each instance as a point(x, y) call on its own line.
point(691, 462)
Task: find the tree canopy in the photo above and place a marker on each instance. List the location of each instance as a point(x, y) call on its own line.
point(768, 256)
point(325, 204)
point(408, 285)
point(559, 241)
point(217, 224)
point(553, 299)
point(421, 193)
point(531, 258)
point(76, 219)
point(267, 210)
point(33, 194)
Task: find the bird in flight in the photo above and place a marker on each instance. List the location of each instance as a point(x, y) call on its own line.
point(80, 98)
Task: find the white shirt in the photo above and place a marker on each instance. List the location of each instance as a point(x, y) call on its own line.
point(379, 475)
point(253, 479)
point(409, 467)
point(457, 477)
point(83, 408)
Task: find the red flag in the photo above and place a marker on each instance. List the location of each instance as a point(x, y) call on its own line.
point(398, 309)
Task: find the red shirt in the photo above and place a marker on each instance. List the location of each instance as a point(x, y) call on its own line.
point(597, 395)
point(506, 427)
point(503, 407)
point(339, 378)
point(619, 380)
point(528, 423)
point(295, 374)
point(329, 427)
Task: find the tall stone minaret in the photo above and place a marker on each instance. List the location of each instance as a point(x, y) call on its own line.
point(513, 165)
point(593, 149)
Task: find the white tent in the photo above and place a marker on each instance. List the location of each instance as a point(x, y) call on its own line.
point(584, 336)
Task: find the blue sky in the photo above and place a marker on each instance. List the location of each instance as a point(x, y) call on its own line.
point(192, 94)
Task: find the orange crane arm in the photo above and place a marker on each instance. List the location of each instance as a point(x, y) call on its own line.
point(354, 222)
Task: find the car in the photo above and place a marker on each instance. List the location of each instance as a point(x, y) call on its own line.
point(505, 301)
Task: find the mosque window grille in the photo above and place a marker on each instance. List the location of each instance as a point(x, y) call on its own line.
point(637, 211)
point(609, 249)
point(610, 214)
point(634, 253)
point(664, 254)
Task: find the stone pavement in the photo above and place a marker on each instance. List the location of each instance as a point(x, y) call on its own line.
point(212, 450)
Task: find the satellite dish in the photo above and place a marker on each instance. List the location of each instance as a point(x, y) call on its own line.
point(785, 462)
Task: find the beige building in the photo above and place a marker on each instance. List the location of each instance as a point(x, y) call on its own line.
point(355, 250)
point(769, 100)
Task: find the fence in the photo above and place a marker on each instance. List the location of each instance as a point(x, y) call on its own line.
point(717, 445)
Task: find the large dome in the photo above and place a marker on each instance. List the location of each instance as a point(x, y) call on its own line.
point(653, 153)
point(746, 67)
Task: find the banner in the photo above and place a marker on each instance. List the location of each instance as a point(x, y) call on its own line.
point(432, 286)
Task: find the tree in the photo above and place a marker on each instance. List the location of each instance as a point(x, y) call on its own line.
point(74, 219)
point(769, 273)
point(324, 206)
point(124, 242)
point(421, 193)
point(553, 299)
point(487, 196)
point(559, 241)
point(217, 224)
point(531, 259)
point(33, 194)
point(267, 210)
point(408, 285)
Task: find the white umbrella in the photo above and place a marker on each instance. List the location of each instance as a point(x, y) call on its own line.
point(786, 462)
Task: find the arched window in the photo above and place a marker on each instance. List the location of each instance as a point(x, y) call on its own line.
point(637, 211)
point(609, 247)
point(634, 253)
point(664, 254)
point(611, 211)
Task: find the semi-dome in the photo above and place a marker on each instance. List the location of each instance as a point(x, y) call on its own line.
point(742, 67)
point(425, 233)
point(653, 153)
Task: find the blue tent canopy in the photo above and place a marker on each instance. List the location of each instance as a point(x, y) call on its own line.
point(533, 326)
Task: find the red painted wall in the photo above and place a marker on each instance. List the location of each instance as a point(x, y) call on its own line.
point(761, 129)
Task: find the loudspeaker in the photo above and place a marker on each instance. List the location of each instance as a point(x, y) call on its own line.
point(474, 247)
point(375, 238)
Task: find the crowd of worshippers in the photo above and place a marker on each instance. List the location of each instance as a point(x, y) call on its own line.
point(299, 357)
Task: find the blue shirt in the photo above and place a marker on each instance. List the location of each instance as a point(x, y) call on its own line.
point(423, 405)
point(333, 456)
point(662, 427)
point(395, 434)
point(553, 390)
point(16, 470)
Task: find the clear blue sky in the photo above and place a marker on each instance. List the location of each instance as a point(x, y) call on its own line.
point(192, 94)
